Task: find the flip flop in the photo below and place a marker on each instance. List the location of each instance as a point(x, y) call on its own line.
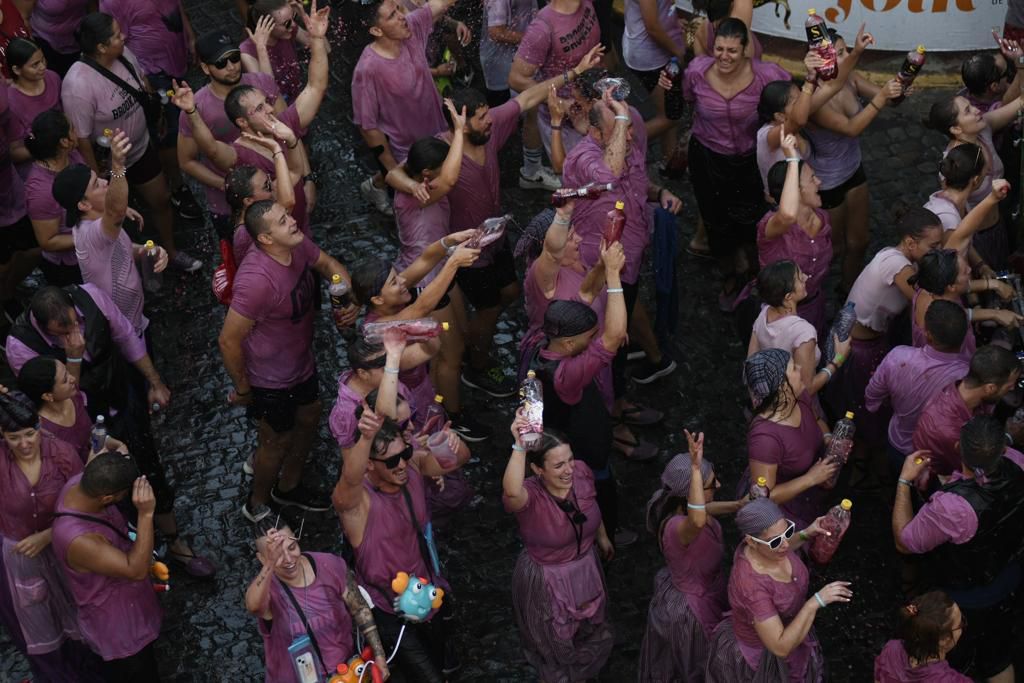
point(641, 451)
point(639, 416)
point(699, 252)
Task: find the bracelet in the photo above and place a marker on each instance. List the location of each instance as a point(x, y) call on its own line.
point(872, 103)
point(391, 371)
point(555, 126)
point(292, 146)
point(615, 290)
point(1009, 439)
point(560, 221)
point(838, 359)
point(444, 245)
point(792, 159)
point(694, 506)
point(905, 482)
point(818, 598)
point(517, 448)
point(620, 117)
point(565, 77)
point(827, 372)
point(970, 315)
point(69, 359)
point(804, 87)
point(803, 536)
point(1020, 60)
point(117, 174)
point(193, 111)
point(276, 153)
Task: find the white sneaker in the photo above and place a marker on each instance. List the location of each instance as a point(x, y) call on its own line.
point(546, 179)
point(376, 197)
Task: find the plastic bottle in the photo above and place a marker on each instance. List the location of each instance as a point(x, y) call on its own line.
point(615, 223)
point(841, 327)
point(563, 196)
point(152, 281)
point(674, 95)
point(490, 231)
point(416, 330)
point(840, 446)
point(531, 398)
point(619, 87)
point(105, 139)
point(819, 41)
point(99, 434)
point(759, 489)
point(674, 71)
point(912, 65)
point(102, 148)
point(836, 522)
point(436, 415)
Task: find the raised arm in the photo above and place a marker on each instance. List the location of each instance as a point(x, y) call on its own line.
point(94, 554)
point(547, 265)
point(536, 93)
point(789, 202)
point(432, 293)
point(115, 205)
point(961, 236)
point(1000, 118)
point(221, 155)
point(832, 119)
point(516, 496)
point(387, 392)
point(614, 259)
point(348, 492)
point(617, 147)
point(439, 7)
point(308, 102)
point(781, 639)
point(261, 63)
point(696, 510)
point(257, 595)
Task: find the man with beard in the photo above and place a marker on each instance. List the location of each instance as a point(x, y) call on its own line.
point(221, 60)
point(993, 372)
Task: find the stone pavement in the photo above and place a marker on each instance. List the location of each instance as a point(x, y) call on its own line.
point(207, 634)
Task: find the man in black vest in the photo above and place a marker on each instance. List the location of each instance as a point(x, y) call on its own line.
point(973, 530)
point(82, 327)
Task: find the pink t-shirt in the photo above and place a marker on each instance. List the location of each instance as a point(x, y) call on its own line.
point(154, 30)
point(27, 107)
point(727, 126)
point(12, 190)
point(93, 103)
point(946, 210)
point(786, 333)
point(343, 421)
point(285, 63)
point(556, 42)
point(876, 297)
point(938, 428)
point(766, 157)
point(279, 299)
point(43, 207)
point(211, 109)
point(110, 265)
point(56, 21)
point(418, 228)
point(638, 48)
point(382, 90)
point(568, 283)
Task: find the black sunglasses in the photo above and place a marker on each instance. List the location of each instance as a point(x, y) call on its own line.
point(392, 462)
point(231, 58)
point(575, 515)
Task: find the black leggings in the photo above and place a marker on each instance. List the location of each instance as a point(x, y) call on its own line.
point(420, 657)
point(141, 666)
point(607, 491)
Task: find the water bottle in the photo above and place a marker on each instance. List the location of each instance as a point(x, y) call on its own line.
point(490, 231)
point(674, 95)
point(842, 326)
point(615, 223)
point(674, 71)
point(102, 149)
point(436, 415)
point(836, 522)
point(99, 435)
point(531, 398)
point(759, 489)
point(912, 65)
point(840, 446)
point(416, 330)
point(564, 195)
point(819, 41)
point(152, 281)
point(618, 87)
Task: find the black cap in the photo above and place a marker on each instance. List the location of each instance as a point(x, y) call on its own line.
point(69, 188)
point(212, 46)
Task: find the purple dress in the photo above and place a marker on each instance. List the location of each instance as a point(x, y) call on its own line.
point(967, 348)
point(558, 588)
point(79, 433)
point(737, 653)
point(893, 666)
point(689, 601)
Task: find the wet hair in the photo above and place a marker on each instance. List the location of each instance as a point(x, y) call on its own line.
point(835, 36)
point(96, 28)
point(263, 8)
point(233, 107)
point(776, 280)
point(991, 364)
point(732, 27)
point(37, 377)
point(773, 100)
point(362, 355)
point(425, 154)
point(937, 270)
point(961, 164)
point(982, 443)
point(915, 221)
point(48, 129)
point(473, 100)
point(585, 83)
point(255, 217)
point(109, 473)
point(924, 622)
point(17, 412)
point(389, 431)
point(238, 186)
point(979, 71)
point(942, 116)
point(777, 178)
point(594, 114)
point(567, 319)
point(717, 9)
point(51, 305)
point(368, 278)
point(369, 14)
point(550, 440)
point(946, 322)
point(19, 52)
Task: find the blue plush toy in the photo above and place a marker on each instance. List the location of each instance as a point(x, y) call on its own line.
point(415, 597)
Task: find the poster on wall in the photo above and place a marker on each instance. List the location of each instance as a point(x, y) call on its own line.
point(898, 25)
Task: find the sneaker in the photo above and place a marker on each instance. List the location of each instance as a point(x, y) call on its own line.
point(249, 466)
point(647, 372)
point(301, 497)
point(634, 352)
point(185, 204)
point(625, 538)
point(182, 261)
point(546, 179)
point(255, 513)
point(469, 428)
point(491, 381)
point(376, 197)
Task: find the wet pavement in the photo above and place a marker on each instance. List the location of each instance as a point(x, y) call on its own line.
point(207, 634)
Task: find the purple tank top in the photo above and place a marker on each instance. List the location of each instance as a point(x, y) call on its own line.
point(390, 544)
point(836, 156)
point(969, 345)
point(117, 617)
point(78, 433)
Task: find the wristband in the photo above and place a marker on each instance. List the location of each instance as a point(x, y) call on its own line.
point(620, 117)
point(1020, 60)
point(905, 482)
point(391, 371)
point(69, 359)
point(565, 77)
point(792, 159)
point(827, 372)
point(826, 435)
point(694, 506)
point(872, 103)
point(292, 146)
point(615, 290)
point(554, 126)
point(444, 245)
point(803, 536)
point(276, 153)
point(970, 315)
point(560, 221)
point(818, 598)
point(517, 448)
point(192, 111)
point(838, 359)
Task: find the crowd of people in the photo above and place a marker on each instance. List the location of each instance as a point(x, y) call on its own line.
point(96, 111)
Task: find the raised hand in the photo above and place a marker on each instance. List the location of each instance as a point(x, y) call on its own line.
point(458, 118)
point(263, 141)
point(182, 97)
point(119, 148)
point(317, 21)
point(143, 497)
point(590, 60)
point(695, 444)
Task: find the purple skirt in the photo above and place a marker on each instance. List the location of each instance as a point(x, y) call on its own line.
point(675, 647)
point(846, 391)
point(557, 659)
point(727, 665)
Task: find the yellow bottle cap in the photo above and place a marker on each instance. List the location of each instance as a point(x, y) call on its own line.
point(108, 132)
point(335, 279)
point(445, 326)
point(761, 481)
point(531, 374)
point(812, 11)
point(849, 414)
point(918, 461)
point(170, 93)
point(150, 244)
point(438, 398)
point(620, 205)
point(920, 49)
point(846, 504)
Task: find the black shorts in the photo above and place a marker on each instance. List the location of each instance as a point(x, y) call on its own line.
point(146, 168)
point(161, 82)
point(830, 199)
point(673, 97)
point(482, 286)
point(277, 407)
point(16, 237)
point(224, 227)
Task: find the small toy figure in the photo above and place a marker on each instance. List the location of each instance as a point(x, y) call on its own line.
point(416, 598)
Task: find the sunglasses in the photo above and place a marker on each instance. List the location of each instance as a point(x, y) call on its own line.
point(231, 58)
point(392, 462)
point(574, 514)
point(287, 24)
point(775, 542)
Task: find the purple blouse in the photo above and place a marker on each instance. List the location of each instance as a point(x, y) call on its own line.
point(26, 509)
point(696, 569)
point(892, 665)
point(812, 254)
point(79, 433)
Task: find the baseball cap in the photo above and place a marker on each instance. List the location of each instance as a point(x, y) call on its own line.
point(69, 188)
point(212, 46)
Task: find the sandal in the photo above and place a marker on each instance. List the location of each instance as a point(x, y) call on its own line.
point(639, 451)
point(639, 416)
point(194, 565)
point(699, 252)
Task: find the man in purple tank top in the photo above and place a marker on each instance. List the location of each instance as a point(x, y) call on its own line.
point(379, 499)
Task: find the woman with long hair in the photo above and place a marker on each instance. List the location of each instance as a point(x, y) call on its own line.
point(34, 89)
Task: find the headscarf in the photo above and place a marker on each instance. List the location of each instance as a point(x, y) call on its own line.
point(764, 373)
point(531, 241)
point(675, 483)
point(17, 412)
point(568, 318)
point(757, 515)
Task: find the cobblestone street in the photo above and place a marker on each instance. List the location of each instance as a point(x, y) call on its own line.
point(207, 634)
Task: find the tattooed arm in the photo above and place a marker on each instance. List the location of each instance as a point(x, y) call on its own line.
point(363, 616)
